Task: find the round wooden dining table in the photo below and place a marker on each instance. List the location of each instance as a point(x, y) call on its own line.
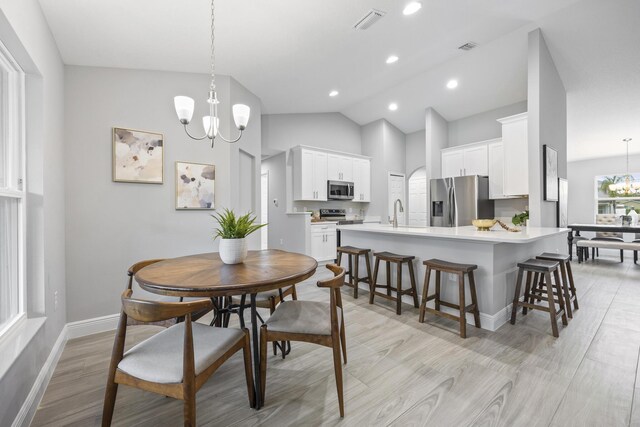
point(205, 275)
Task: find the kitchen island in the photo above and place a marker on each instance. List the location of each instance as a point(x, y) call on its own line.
point(495, 252)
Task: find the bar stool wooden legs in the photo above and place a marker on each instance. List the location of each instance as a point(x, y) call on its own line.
point(568, 285)
point(541, 268)
point(390, 258)
point(353, 256)
point(459, 269)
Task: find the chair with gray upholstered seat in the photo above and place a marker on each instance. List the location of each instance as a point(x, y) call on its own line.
point(141, 293)
point(605, 219)
point(175, 362)
point(310, 321)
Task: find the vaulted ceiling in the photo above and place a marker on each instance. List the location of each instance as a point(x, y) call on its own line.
point(291, 53)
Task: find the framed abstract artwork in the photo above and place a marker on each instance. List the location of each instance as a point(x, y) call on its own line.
point(195, 185)
point(550, 171)
point(563, 202)
point(138, 156)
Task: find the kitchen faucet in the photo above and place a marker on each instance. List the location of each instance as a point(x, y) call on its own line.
point(395, 212)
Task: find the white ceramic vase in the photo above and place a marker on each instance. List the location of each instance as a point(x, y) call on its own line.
point(233, 251)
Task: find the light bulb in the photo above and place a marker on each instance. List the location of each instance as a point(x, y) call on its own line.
point(184, 108)
point(241, 115)
point(206, 123)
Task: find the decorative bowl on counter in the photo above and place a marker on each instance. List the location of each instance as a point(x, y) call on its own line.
point(484, 224)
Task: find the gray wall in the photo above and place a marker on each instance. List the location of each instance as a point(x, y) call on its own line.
point(416, 151)
point(547, 106)
point(437, 136)
point(581, 176)
point(112, 225)
point(482, 126)
point(385, 144)
point(24, 30)
point(332, 131)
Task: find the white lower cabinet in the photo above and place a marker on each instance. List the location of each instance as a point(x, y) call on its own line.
point(323, 241)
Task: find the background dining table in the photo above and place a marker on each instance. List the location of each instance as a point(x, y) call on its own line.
point(605, 228)
point(206, 276)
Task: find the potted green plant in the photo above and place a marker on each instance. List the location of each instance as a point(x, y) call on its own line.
point(521, 218)
point(233, 231)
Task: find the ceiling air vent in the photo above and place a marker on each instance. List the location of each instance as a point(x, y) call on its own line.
point(468, 46)
point(369, 19)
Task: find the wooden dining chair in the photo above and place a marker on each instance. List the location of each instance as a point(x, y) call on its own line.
point(270, 300)
point(175, 362)
point(310, 321)
point(131, 272)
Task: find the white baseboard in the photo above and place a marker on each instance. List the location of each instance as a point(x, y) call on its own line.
point(86, 327)
point(30, 405)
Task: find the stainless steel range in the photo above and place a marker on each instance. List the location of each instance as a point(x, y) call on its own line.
point(339, 215)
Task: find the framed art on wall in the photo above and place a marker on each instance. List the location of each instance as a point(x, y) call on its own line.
point(550, 171)
point(138, 156)
point(563, 202)
point(195, 185)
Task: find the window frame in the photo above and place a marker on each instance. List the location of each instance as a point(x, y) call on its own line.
point(12, 116)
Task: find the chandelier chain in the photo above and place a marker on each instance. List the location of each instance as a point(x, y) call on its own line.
point(213, 55)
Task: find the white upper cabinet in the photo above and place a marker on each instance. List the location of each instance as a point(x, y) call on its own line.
point(496, 170)
point(476, 161)
point(340, 168)
point(516, 155)
point(361, 180)
point(309, 175)
point(465, 160)
point(452, 163)
point(313, 167)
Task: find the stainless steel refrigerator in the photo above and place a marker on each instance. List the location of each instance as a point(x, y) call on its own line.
point(459, 200)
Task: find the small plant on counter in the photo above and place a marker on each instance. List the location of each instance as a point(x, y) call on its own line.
point(521, 218)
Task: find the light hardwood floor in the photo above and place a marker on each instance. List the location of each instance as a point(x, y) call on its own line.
point(404, 373)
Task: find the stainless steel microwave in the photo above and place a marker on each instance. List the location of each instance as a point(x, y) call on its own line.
point(339, 190)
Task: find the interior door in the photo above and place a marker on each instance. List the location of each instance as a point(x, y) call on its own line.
point(264, 210)
point(418, 201)
point(396, 191)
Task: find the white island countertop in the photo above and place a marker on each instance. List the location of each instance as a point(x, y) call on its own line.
point(469, 233)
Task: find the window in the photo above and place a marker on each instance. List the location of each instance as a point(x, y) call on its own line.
point(12, 209)
point(620, 200)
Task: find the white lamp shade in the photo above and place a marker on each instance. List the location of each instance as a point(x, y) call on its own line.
point(206, 123)
point(184, 108)
point(241, 115)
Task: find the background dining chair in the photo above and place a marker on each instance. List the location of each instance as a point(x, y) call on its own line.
point(271, 299)
point(310, 321)
point(604, 219)
point(175, 362)
point(141, 293)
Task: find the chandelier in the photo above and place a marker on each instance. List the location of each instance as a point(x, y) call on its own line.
point(630, 186)
point(184, 106)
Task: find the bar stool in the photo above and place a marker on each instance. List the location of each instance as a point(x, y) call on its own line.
point(537, 268)
point(460, 270)
point(567, 281)
point(391, 258)
point(354, 271)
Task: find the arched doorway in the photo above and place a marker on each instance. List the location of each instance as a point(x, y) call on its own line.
point(417, 208)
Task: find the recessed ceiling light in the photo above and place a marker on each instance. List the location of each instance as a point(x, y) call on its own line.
point(392, 59)
point(412, 7)
point(333, 93)
point(393, 106)
point(452, 84)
